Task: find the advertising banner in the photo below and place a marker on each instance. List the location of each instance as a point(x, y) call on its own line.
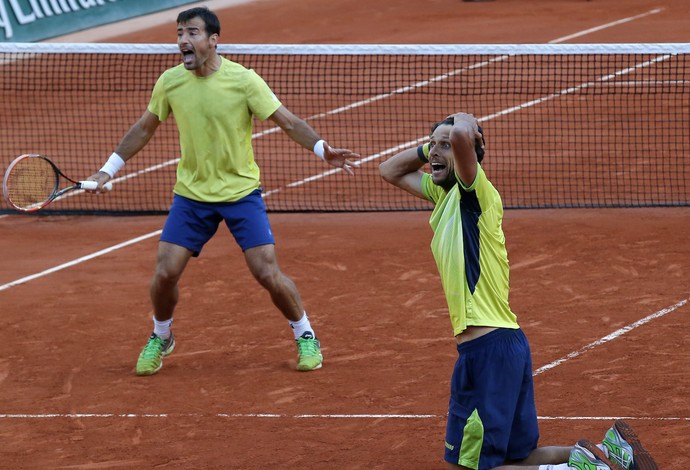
point(36, 20)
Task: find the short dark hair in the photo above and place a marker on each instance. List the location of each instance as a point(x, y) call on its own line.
point(449, 121)
point(209, 18)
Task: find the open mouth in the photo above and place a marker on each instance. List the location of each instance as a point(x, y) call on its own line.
point(437, 167)
point(187, 56)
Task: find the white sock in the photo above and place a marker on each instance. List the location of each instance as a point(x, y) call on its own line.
point(560, 466)
point(301, 326)
point(162, 328)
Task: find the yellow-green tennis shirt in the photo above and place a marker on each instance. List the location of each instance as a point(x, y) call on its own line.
point(214, 119)
point(470, 253)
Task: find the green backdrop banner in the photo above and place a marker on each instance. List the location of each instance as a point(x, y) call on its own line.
point(35, 20)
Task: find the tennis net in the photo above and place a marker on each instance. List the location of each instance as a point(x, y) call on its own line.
point(566, 125)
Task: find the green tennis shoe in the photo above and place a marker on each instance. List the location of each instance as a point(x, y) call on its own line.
point(587, 456)
point(618, 449)
point(624, 447)
point(151, 358)
point(308, 352)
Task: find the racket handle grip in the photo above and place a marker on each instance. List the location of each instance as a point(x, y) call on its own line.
point(92, 185)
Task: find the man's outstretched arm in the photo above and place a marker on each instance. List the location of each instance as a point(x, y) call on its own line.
point(134, 140)
point(298, 130)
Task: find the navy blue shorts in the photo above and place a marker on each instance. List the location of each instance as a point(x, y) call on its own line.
point(492, 418)
point(192, 223)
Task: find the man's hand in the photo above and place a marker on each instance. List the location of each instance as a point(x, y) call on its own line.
point(339, 158)
point(101, 177)
point(470, 121)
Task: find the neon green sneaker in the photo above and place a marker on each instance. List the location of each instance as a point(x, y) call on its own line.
point(586, 456)
point(618, 449)
point(308, 352)
point(151, 358)
point(624, 447)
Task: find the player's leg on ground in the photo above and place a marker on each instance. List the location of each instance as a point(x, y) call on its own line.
point(547, 455)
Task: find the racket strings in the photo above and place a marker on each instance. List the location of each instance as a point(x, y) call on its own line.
point(31, 182)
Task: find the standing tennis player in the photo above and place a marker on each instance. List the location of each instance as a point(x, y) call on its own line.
point(492, 419)
point(214, 100)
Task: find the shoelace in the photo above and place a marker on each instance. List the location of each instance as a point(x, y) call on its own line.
point(153, 348)
point(307, 347)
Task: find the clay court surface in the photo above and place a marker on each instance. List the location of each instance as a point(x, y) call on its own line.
point(602, 294)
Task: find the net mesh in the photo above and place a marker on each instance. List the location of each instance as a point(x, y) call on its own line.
point(565, 125)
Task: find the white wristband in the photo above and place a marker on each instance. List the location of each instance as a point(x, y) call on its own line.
point(113, 165)
point(319, 150)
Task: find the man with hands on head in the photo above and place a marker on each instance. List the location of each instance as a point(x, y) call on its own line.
point(492, 419)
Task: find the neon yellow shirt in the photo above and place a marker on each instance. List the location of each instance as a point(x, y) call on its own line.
point(470, 253)
point(214, 119)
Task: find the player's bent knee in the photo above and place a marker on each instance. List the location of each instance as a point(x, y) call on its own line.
point(166, 276)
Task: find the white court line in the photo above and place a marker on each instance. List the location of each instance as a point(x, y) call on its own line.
point(311, 416)
point(611, 337)
point(214, 415)
point(79, 260)
point(604, 26)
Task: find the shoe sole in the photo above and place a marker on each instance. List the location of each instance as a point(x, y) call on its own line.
point(642, 460)
point(313, 368)
point(599, 454)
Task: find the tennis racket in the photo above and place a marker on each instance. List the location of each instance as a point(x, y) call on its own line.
point(33, 181)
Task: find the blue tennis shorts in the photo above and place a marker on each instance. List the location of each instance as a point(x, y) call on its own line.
point(492, 418)
point(192, 223)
